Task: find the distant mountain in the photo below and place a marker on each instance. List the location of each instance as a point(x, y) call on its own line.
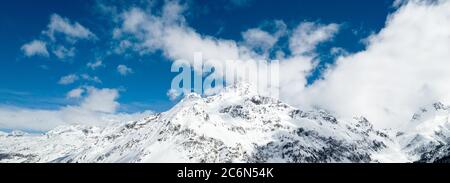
point(238, 125)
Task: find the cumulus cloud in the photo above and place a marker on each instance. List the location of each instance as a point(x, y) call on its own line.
point(71, 78)
point(90, 78)
point(147, 32)
point(75, 93)
point(68, 79)
point(62, 52)
point(405, 66)
point(173, 94)
point(60, 48)
point(101, 100)
point(259, 39)
point(35, 47)
point(307, 35)
point(72, 31)
point(95, 65)
point(166, 32)
point(262, 40)
point(98, 108)
point(124, 70)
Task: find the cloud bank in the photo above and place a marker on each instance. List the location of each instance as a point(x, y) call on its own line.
point(98, 107)
point(405, 66)
point(146, 32)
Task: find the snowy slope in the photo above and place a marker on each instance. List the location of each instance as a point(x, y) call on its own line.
point(236, 125)
point(426, 138)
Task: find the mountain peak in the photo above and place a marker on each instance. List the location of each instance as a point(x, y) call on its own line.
point(235, 125)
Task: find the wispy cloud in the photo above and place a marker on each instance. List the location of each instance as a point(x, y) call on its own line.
point(98, 107)
point(88, 77)
point(35, 47)
point(71, 31)
point(308, 35)
point(69, 79)
point(62, 52)
point(124, 70)
point(62, 49)
point(94, 65)
point(75, 93)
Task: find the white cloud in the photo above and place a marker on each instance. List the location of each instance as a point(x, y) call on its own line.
point(101, 100)
point(87, 77)
point(95, 65)
point(405, 66)
point(97, 108)
point(35, 47)
point(259, 39)
point(338, 51)
point(68, 79)
point(124, 70)
point(123, 45)
point(147, 29)
point(398, 3)
point(293, 72)
point(172, 10)
point(146, 33)
point(173, 94)
point(133, 19)
point(75, 93)
point(62, 52)
point(71, 78)
point(73, 31)
point(308, 35)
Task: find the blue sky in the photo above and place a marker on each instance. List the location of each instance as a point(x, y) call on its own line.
point(86, 50)
point(33, 81)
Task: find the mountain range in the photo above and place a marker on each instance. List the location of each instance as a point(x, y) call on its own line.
point(238, 125)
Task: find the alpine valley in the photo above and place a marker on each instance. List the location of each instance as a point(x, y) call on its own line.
point(238, 125)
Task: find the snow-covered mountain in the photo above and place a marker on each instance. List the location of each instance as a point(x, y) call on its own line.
point(237, 125)
point(427, 137)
